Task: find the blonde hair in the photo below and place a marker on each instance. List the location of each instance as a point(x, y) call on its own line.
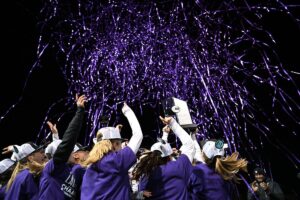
point(34, 168)
point(99, 150)
point(229, 166)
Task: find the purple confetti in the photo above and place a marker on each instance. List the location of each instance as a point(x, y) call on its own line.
point(209, 54)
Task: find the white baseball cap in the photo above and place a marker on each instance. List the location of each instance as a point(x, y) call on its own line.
point(25, 150)
point(14, 155)
point(165, 149)
point(110, 133)
point(214, 148)
point(98, 137)
point(6, 164)
point(52, 147)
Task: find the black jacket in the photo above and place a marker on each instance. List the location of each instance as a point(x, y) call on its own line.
point(273, 193)
point(69, 140)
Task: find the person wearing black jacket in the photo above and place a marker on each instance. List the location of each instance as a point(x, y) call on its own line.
point(62, 175)
point(264, 188)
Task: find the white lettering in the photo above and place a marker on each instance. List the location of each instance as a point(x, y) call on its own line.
point(69, 186)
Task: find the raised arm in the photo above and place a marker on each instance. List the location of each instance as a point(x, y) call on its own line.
point(69, 140)
point(198, 155)
point(187, 143)
point(54, 131)
point(137, 135)
point(166, 131)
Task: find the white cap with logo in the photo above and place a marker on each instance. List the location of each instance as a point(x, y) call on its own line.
point(214, 148)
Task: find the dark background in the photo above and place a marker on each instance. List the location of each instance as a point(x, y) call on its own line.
point(19, 39)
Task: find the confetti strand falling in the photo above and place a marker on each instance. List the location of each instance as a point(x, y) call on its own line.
point(213, 55)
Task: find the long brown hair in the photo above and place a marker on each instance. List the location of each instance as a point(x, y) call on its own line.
point(227, 167)
point(148, 163)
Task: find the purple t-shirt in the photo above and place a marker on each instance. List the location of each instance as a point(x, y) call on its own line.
point(169, 181)
point(2, 192)
point(25, 186)
point(108, 178)
point(205, 183)
point(61, 181)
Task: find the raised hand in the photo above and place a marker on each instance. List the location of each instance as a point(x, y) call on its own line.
point(264, 186)
point(147, 193)
point(8, 149)
point(52, 127)
point(254, 186)
point(166, 120)
point(80, 100)
point(166, 129)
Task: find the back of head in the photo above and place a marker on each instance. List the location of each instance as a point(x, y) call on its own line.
point(99, 150)
point(213, 153)
point(148, 162)
point(214, 148)
point(164, 148)
point(23, 154)
point(227, 167)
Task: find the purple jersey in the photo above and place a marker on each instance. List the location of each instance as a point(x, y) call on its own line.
point(169, 181)
point(108, 178)
point(205, 183)
point(25, 186)
point(2, 192)
point(61, 181)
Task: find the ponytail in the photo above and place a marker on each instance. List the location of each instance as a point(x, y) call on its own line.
point(148, 163)
point(227, 167)
point(99, 150)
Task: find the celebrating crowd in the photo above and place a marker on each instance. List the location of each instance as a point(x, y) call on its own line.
point(117, 169)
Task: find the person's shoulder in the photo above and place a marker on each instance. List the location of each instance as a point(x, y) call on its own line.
point(126, 150)
point(183, 158)
point(24, 173)
point(201, 167)
point(78, 168)
point(268, 180)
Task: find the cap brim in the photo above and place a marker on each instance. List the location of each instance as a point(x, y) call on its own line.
point(85, 148)
point(39, 148)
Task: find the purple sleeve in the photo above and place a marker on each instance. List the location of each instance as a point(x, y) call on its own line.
point(126, 159)
point(51, 168)
point(185, 167)
point(2, 192)
point(195, 184)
